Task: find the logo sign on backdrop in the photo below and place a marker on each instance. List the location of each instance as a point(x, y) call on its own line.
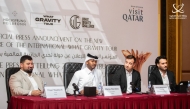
point(178, 8)
point(75, 22)
point(135, 13)
point(178, 12)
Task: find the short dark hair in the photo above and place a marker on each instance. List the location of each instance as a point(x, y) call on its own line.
point(131, 57)
point(158, 59)
point(25, 57)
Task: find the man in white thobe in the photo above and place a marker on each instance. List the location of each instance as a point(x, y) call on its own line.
point(87, 76)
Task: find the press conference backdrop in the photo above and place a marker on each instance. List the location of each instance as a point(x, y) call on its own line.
point(54, 32)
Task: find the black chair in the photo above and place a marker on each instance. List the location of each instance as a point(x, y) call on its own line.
point(150, 69)
point(110, 71)
point(69, 69)
point(8, 73)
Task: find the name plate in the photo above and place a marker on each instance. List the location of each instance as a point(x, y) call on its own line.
point(112, 91)
point(161, 89)
point(55, 92)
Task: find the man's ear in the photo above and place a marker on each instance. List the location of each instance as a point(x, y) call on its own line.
point(21, 65)
point(86, 62)
point(157, 65)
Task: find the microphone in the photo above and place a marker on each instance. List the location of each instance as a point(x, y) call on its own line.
point(75, 87)
point(134, 88)
point(171, 87)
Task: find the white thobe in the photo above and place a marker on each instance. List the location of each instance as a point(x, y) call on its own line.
point(85, 77)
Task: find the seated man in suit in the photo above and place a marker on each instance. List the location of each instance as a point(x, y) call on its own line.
point(128, 78)
point(24, 82)
point(161, 75)
point(87, 76)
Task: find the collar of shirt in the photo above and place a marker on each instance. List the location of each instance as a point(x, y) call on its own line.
point(129, 73)
point(88, 71)
point(27, 74)
point(162, 75)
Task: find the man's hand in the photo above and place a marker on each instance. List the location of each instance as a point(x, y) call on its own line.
point(82, 92)
point(36, 93)
point(97, 92)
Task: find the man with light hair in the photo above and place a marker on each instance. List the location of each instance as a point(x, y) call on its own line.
point(87, 76)
point(128, 78)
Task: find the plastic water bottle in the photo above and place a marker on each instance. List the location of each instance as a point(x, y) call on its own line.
point(43, 94)
point(188, 87)
point(45, 84)
point(100, 89)
point(149, 87)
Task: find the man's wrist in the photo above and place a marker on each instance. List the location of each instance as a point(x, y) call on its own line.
point(30, 93)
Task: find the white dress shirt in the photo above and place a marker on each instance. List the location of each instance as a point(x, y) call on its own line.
point(129, 80)
point(33, 82)
point(85, 77)
point(165, 80)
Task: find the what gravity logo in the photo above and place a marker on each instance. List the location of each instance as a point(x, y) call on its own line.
point(48, 20)
point(134, 14)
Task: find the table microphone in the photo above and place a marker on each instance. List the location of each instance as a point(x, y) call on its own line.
point(75, 87)
point(171, 87)
point(134, 87)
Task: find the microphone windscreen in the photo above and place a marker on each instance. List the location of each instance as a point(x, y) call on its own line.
point(131, 83)
point(75, 86)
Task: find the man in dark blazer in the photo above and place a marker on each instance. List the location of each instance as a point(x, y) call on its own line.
point(161, 75)
point(128, 78)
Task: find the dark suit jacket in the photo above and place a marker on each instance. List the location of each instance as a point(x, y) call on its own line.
point(119, 78)
point(156, 79)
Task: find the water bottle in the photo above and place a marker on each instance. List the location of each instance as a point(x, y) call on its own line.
point(188, 87)
point(45, 84)
point(100, 89)
point(43, 94)
point(149, 87)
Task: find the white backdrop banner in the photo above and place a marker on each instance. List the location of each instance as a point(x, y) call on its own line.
point(54, 32)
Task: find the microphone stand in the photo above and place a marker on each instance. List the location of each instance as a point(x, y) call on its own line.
point(75, 93)
point(133, 87)
point(75, 89)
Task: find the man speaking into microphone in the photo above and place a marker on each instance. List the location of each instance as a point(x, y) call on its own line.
point(87, 76)
point(128, 78)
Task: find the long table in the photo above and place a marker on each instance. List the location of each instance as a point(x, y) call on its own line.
point(133, 101)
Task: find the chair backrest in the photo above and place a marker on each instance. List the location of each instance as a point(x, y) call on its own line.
point(8, 73)
point(69, 69)
point(150, 69)
point(110, 71)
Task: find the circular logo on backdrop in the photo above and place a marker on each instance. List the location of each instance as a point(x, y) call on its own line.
point(74, 22)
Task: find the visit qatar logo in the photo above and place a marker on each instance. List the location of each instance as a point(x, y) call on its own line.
point(134, 14)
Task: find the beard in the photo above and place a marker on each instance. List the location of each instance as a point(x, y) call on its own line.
point(164, 68)
point(28, 70)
